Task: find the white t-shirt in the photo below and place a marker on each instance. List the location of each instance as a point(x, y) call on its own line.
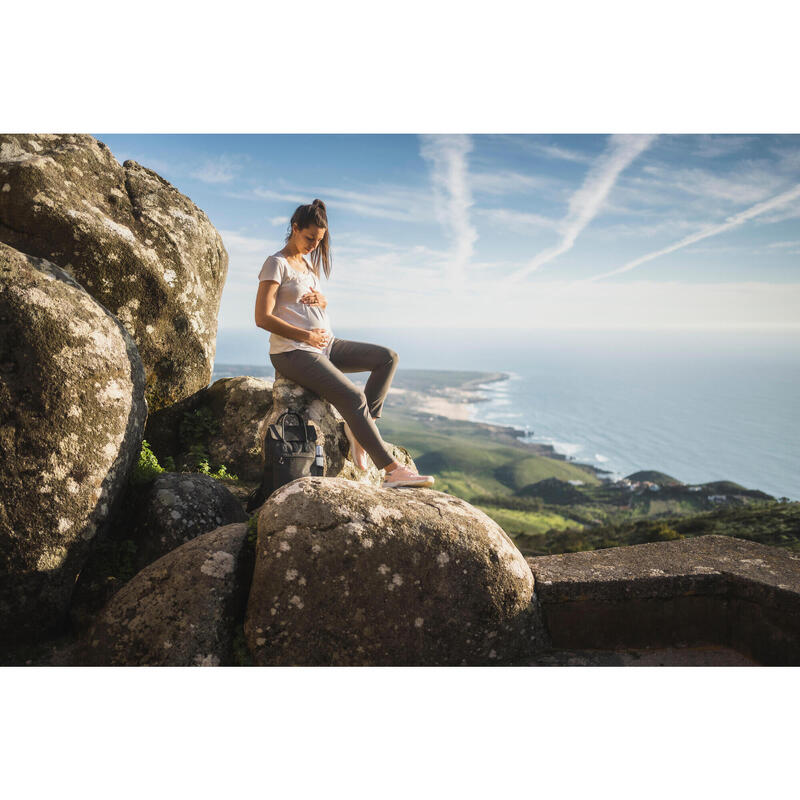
point(293, 285)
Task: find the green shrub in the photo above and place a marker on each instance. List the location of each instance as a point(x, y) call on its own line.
point(195, 429)
point(147, 467)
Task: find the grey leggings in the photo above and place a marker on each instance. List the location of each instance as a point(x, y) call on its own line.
point(325, 376)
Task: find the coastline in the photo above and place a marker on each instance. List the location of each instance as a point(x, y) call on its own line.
point(453, 402)
point(446, 394)
point(460, 402)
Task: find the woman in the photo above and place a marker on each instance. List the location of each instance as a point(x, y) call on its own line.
point(303, 348)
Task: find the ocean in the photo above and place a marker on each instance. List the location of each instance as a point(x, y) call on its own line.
point(700, 406)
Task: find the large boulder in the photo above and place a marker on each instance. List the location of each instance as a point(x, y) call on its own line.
point(288, 395)
point(139, 247)
point(72, 412)
point(180, 611)
point(347, 574)
point(174, 509)
point(155, 518)
point(224, 422)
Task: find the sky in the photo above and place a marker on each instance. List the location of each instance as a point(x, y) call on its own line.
point(580, 231)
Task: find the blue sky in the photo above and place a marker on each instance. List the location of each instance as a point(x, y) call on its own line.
point(509, 231)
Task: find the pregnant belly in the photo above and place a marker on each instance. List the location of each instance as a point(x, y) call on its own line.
point(310, 316)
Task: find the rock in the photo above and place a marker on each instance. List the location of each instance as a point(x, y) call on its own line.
point(139, 247)
point(173, 509)
point(227, 420)
point(703, 590)
point(181, 610)
point(329, 423)
point(349, 574)
point(72, 412)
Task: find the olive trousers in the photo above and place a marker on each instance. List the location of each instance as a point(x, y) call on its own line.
point(325, 376)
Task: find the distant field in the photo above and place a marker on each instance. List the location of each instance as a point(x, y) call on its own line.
point(499, 478)
point(468, 461)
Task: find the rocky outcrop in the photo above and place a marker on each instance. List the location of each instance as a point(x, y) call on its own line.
point(347, 574)
point(226, 421)
point(705, 590)
point(174, 509)
point(138, 246)
point(329, 423)
point(180, 611)
point(72, 412)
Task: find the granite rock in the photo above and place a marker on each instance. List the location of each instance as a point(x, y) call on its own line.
point(350, 574)
point(182, 610)
point(131, 239)
point(72, 412)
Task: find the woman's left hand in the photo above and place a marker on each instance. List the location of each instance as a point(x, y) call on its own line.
point(313, 298)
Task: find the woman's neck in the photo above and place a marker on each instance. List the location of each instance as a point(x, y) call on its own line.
point(297, 258)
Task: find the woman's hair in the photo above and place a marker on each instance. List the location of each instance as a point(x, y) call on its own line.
point(315, 214)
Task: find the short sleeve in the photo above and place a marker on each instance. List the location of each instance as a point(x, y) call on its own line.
point(272, 270)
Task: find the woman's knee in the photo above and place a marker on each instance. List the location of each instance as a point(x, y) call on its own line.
point(391, 355)
point(355, 397)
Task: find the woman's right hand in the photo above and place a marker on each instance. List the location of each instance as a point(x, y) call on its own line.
point(318, 337)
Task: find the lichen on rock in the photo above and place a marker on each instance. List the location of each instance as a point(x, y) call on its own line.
point(397, 601)
point(62, 474)
point(142, 249)
point(182, 610)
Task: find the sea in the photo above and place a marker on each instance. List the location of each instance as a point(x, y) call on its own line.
point(697, 405)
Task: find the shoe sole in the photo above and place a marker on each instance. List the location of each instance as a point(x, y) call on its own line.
point(421, 483)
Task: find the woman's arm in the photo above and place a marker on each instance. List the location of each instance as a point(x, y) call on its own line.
point(265, 304)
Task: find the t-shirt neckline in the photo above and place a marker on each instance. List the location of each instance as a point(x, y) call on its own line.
point(308, 270)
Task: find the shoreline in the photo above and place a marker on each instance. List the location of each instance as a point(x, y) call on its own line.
point(456, 401)
point(459, 403)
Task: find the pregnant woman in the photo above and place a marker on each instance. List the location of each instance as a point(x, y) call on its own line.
point(303, 349)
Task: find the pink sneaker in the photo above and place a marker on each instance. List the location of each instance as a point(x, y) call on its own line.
point(403, 476)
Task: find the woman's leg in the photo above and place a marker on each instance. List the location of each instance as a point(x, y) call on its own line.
point(316, 372)
point(380, 361)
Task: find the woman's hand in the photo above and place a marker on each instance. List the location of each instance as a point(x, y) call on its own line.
point(318, 337)
point(313, 298)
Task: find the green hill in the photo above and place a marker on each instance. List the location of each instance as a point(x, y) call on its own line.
point(724, 487)
point(529, 496)
point(467, 461)
point(661, 478)
point(554, 491)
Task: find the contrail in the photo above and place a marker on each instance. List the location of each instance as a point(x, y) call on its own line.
point(587, 201)
point(709, 230)
point(453, 198)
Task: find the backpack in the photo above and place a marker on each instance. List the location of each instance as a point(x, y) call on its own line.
point(290, 452)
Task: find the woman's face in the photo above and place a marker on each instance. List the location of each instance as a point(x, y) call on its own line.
point(308, 238)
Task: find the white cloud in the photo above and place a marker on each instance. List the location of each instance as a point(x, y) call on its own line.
point(782, 245)
point(506, 182)
point(509, 218)
point(378, 201)
point(708, 230)
point(533, 144)
point(749, 183)
point(587, 201)
point(447, 155)
point(425, 299)
point(222, 169)
point(789, 211)
point(714, 146)
point(245, 245)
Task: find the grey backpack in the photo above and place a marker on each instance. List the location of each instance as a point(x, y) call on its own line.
point(289, 452)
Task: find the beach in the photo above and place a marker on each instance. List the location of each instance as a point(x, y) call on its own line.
point(454, 404)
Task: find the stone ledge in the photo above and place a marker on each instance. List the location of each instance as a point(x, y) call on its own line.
point(710, 589)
